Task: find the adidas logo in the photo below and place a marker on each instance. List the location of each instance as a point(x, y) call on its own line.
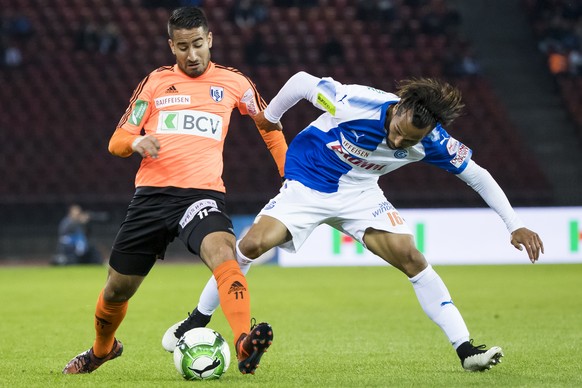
point(236, 287)
point(102, 322)
point(172, 89)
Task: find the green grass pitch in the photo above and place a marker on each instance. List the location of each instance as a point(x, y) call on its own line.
point(334, 327)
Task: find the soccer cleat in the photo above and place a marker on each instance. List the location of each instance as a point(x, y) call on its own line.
point(177, 330)
point(251, 347)
point(477, 358)
point(87, 362)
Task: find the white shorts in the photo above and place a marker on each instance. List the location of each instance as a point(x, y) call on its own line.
point(302, 209)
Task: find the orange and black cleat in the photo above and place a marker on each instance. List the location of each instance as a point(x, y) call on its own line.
point(251, 347)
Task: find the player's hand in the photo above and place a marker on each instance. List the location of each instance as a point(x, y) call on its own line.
point(146, 146)
point(266, 125)
point(523, 237)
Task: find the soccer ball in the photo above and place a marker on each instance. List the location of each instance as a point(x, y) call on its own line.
point(201, 354)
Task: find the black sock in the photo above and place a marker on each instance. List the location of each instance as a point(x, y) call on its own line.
point(200, 318)
point(465, 350)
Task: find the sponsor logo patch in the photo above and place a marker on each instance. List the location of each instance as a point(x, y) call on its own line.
point(353, 149)
point(195, 208)
point(162, 102)
point(138, 111)
point(326, 104)
point(453, 146)
point(461, 156)
point(383, 207)
point(190, 122)
point(249, 100)
point(354, 160)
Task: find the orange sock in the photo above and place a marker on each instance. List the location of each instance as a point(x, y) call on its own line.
point(108, 317)
point(234, 297)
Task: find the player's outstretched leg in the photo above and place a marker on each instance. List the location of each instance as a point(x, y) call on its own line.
point(87, 362)
point(177, 330)
point(478, 358)
point(251, 347)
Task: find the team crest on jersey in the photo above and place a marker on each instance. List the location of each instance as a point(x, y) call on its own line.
point(400, 154)
point(217, 93)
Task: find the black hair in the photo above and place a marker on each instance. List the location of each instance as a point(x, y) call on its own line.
point(430, 100)
point(187, 18)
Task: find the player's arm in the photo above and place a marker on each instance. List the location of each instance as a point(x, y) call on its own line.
point(124, 143)
point(274, 139)
point(300, 86)
point(127, 138)
point(480, 180)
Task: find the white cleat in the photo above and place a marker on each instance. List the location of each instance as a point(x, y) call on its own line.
point(483, 359)
point(177, 330)
point(169, 339)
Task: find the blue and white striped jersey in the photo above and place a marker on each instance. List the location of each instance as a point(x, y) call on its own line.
point(346, 146)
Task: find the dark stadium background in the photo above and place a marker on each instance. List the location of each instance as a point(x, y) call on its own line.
point(60, 105)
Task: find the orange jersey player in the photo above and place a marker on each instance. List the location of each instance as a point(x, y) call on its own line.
point(190, 119)
point(177, 121)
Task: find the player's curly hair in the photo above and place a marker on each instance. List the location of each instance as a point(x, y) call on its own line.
point(431, 101)
point(187, 18)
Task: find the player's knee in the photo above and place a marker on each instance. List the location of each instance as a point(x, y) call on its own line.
point(412, 262)
point(252, 246)
point(117, 294)
point(120, 288)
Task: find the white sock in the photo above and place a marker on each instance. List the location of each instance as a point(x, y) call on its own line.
point(209, 300)
point(437, 304)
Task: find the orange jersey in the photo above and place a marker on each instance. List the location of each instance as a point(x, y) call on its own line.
point(190, 118)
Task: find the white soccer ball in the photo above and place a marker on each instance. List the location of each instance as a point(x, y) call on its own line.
point(201, 354)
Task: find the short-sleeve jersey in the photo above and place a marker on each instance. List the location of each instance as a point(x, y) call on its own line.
point(190, 118)
point(345, 147)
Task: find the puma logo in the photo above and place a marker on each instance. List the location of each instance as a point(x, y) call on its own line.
point(212, 366)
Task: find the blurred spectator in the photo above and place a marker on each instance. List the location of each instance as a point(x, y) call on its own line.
point(332, 52)
point(10, 53)
point(376, 10)
point(17, 25)
point(403, 33)
point(109, 38)
point(92, 37)
point(16, 30)
point(12, 56)
point(575, 62)
point(558, 62)
point(248, 13)
point(87, 37)
point(461, 61)
point(438, 19)
point(558, 33)
point(73, 245)
point(256, 51)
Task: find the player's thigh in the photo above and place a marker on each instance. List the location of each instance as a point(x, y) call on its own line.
point(298, 210)
point(203, 218)
point(396, 249)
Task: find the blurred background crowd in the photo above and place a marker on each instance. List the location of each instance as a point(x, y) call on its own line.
point(68, 68)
